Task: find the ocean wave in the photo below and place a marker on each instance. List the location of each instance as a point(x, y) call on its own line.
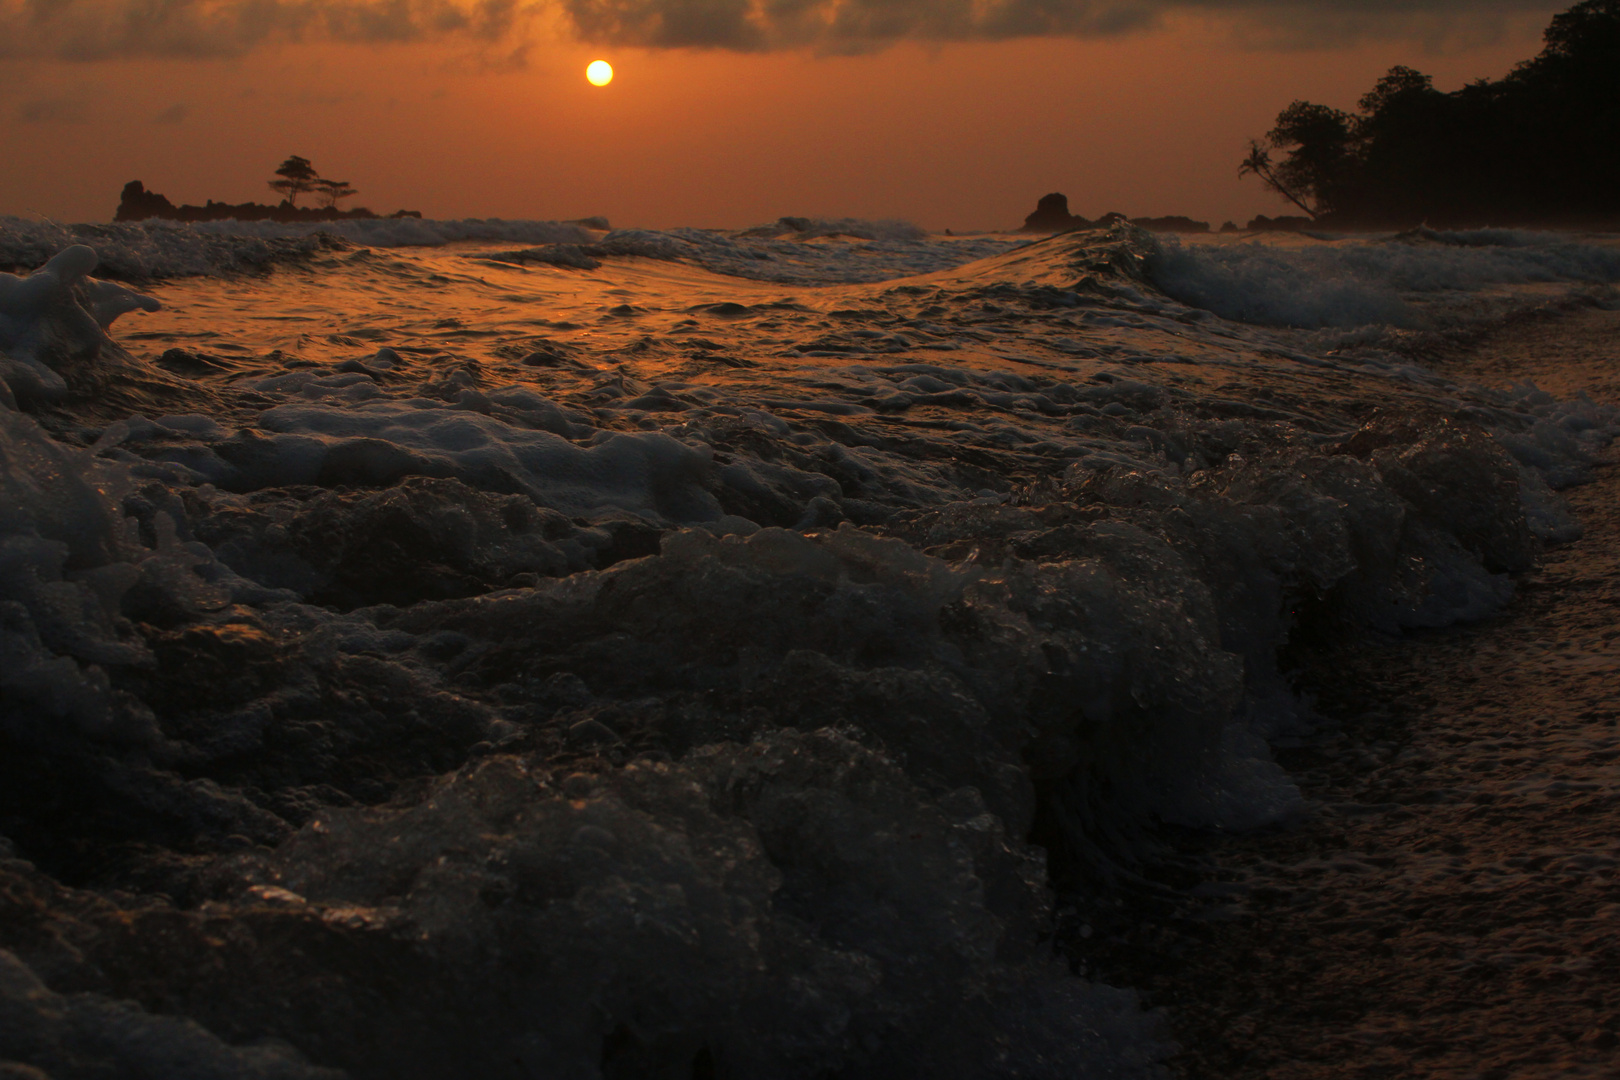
point(159, 249)
point(804, 228)
point(833, 257)
point(822, 252)
point(409, 232)
point(633, 717)
point(1356, 283)
point(149, 250)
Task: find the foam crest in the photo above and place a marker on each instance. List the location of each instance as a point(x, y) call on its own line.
point(55, 318)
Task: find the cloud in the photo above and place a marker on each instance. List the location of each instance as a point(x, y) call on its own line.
point(174, 114)
point(87, 30)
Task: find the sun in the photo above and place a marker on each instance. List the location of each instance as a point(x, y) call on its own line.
point(599, 72)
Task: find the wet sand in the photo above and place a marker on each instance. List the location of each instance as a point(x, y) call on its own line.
point(1451, 909)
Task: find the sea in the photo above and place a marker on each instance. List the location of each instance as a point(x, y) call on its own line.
point(523, 649)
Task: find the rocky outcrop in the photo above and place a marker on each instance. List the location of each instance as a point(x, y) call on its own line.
point(1052, 215)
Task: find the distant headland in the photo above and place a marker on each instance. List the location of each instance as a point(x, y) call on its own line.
point(296, 177)
point(1537, 148)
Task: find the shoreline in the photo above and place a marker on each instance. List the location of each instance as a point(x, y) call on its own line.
point(1447, 910)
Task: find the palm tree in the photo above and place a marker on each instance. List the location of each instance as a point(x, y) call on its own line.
point(1258, 163)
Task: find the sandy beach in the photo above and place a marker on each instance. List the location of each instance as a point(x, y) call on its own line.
point(1449, 910)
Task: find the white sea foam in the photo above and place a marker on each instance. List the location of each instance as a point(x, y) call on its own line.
point(379, 442)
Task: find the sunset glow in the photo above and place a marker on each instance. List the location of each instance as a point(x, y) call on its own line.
point(939, 135)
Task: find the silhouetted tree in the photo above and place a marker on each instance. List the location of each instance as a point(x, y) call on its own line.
point(1586, 36)
point(330, 191)
point(1540, 145)
point(1566, 104)
point(1318, 140)
point(297, 177)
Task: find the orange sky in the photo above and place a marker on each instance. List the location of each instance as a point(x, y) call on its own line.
point(962, 135)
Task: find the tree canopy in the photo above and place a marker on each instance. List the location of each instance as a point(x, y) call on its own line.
point(1539, 146)
point(298, 177)
point(330, 191)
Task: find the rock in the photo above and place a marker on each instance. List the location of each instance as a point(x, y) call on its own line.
point(135, 203)
point(1052, 215)
point(1280, 223)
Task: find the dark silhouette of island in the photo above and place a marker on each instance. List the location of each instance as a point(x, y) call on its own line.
point(1052, 215)
point(1171, 223)
point(1540, 146)
point(297, 177)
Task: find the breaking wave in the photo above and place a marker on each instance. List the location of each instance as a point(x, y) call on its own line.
point(1356, 283)
point(793, 250)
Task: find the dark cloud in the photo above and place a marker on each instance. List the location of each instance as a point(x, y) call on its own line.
point(174, 114)
point(848, 25)
point(106, 29)
point(114, 29)
point(861, 25)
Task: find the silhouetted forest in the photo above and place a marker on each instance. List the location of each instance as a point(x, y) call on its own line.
point(1540, 146)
